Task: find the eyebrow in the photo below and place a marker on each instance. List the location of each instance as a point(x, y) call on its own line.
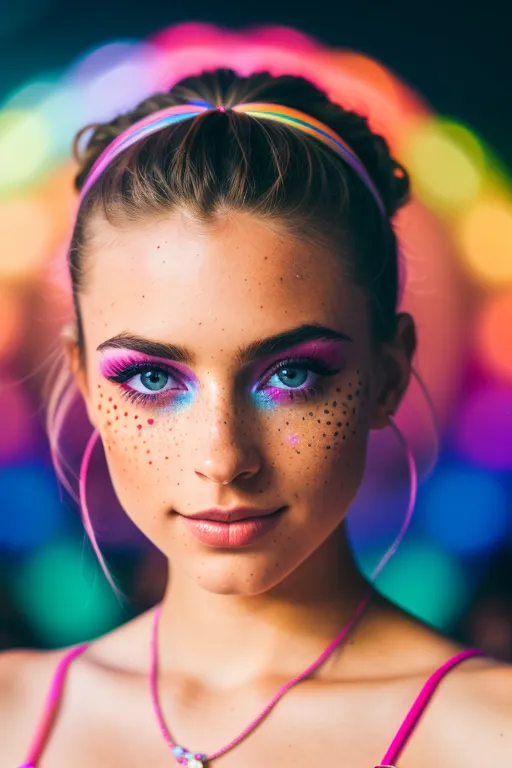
point(253, 351)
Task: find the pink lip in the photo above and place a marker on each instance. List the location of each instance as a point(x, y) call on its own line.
point(235, 534)
point(231, 515)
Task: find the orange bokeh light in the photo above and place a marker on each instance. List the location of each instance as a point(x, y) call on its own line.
point(494, 334)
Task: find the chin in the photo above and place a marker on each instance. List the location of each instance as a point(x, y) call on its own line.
point(237, 578)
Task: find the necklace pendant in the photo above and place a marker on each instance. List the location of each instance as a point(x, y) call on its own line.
point(190, 759)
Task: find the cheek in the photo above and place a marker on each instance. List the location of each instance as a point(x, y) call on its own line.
point(330, 435)
point(137, 451)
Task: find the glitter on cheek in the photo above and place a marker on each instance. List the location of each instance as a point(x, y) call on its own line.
point(293, 439)
point(180, 401)
point(264, 400)
point(269, 398)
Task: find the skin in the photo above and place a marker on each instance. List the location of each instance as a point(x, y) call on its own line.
point(238, 623)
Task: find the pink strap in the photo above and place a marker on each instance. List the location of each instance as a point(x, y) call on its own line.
point(421, 703)
point(52, 700)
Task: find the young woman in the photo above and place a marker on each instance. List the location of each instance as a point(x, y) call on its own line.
point(236, 281)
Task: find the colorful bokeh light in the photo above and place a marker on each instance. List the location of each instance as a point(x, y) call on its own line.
point(63, 596)
point(493, 334)
point(484, 232)
point(446, 161)
point(483, 432)
point(465, 509)
point(34, 512)
point(424, 579)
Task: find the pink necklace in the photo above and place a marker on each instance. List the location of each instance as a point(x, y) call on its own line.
point(190, 759)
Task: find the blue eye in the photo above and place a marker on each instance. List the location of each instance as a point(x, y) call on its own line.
point(296, 375)
point(301, 379)
point(151, 377)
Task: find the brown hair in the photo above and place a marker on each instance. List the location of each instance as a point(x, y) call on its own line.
point(221, 161)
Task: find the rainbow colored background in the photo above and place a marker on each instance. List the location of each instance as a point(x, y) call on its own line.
point(457, 238)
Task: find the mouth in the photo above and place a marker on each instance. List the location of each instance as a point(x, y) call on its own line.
point(233, 515)
point(237, 533)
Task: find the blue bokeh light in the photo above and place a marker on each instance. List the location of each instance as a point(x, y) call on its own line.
point(32, 510)
point(465, 509)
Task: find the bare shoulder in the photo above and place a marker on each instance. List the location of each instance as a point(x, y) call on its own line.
point(25, 676)
point(489, 689)
point(18, 668)
point(470, 718)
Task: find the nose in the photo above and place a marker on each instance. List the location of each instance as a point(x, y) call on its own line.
point(226, 446)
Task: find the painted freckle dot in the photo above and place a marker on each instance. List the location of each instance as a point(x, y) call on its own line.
point(334, 403)
point(135, 417)
point(139, 426)
point(110, 399)
point(338, 423)
point(126, 413)
point(349, 397)
point(326, 411)
point(115, 407)
point(99, 407)
point(327, 422)
point(151, 421)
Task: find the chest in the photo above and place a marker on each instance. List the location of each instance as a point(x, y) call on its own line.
point(310, 726)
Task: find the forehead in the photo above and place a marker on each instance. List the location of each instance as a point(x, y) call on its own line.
point(202, 285)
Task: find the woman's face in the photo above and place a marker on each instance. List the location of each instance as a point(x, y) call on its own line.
point(222, 422)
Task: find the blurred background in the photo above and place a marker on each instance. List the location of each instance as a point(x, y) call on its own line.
point(434, 80)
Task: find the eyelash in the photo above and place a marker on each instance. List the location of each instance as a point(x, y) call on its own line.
point(123, 375)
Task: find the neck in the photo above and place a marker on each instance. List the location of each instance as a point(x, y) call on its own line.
point(229, 640)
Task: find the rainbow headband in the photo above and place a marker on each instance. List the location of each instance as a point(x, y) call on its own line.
point(164, 117)
point(156, 121)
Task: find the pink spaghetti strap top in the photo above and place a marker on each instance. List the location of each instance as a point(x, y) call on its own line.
point(388, 761)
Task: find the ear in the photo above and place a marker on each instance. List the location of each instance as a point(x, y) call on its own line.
point(395, 365)
point(72, 356)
